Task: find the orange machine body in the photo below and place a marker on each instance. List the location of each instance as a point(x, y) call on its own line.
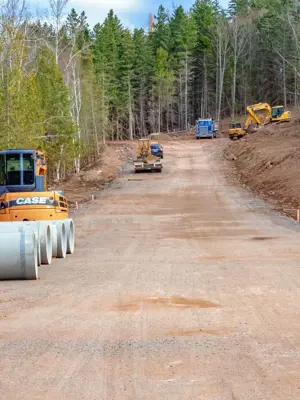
point(33, 206)
point(23, 190)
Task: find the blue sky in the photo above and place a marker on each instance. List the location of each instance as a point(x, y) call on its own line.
point(133, 13)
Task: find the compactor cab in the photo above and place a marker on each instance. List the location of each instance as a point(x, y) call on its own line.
point(235, 125)
point(24, 195)
point(22, 171)
point(236, 131)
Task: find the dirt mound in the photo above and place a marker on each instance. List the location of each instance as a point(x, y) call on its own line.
point(268, 162)
point(94, 178)
point(161, 137)
point(164, 137)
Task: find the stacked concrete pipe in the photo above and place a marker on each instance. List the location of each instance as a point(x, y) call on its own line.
point(53, 236)
point(46, 241)
point(59, 238)
point(19, 254)
point(70, 227)
point(62, 238)
point(43, 234)
point(24, 245)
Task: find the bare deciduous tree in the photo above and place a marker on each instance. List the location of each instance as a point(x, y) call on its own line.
point(240, 34)
point(221, 41)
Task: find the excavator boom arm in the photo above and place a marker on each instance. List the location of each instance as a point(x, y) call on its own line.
point(266, 110)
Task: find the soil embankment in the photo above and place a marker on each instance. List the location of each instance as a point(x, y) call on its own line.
point(80, 187)
point(268, 162)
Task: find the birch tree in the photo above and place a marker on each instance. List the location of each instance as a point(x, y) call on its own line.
point(221, 41)
point(240, 34)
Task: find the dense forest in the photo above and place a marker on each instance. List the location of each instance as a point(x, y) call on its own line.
point(66, 87)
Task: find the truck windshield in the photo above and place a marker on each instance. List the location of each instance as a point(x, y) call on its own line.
point(204, 123)
point(11, 173)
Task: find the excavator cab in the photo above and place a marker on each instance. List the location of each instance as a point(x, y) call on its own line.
point(279, 114)
point(22, 171)
point(277, 111)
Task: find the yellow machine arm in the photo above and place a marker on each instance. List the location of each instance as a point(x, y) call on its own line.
point(144, 150)
point(259, 113)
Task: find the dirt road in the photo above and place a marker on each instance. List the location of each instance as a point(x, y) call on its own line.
point(182, 287)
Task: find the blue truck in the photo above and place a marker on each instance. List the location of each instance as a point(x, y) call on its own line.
point(157, 150)
point(206, 128)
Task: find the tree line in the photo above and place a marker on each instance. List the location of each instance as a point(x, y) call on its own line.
point(66, 88)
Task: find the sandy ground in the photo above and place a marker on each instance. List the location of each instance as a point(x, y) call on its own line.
point(182, 287)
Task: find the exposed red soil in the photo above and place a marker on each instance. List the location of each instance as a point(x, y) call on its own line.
point(268, 162)
point(80, 187)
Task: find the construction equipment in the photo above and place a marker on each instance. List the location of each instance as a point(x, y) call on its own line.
point(205, 128)
point(236, 131)
point(157, 150)
point(278, 114)
point(156, 147)
point(263, 114)
point(145, 161)
point(24, 195)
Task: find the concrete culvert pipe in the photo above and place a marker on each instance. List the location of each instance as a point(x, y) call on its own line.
point(61, 238)
point(39, 256)
point(18, 255)
point(70, 235)
point(19, 226)
point(54, 240)
point(45, 234)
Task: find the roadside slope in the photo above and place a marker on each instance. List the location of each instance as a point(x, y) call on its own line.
point(268, 162)
point(95, 177)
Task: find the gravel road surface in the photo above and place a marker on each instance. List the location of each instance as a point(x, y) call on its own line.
point(182, 287)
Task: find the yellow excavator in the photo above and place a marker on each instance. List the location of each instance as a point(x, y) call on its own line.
point(263, 114)
point(145, 161)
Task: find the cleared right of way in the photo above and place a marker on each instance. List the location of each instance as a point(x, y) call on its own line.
point(182, 287)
